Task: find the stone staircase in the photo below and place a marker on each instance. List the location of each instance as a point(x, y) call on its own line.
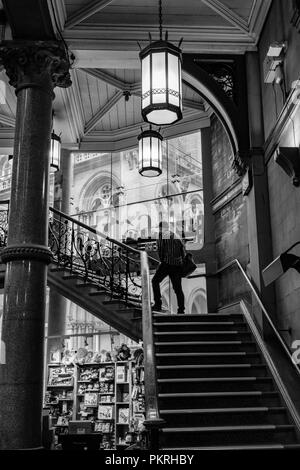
point(123, 316)
point(215, 389)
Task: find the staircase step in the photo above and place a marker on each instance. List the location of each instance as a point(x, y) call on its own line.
point(229, 448)
point(218, 399)
point(209, 317)
point(212, 370)
point(101, 293)
point(207, 358)
point(70, 276)
point(232, 435)
point(205, 346)
point(85, 284)
point(213, 384)
point(203, 326)
point(201, 335)
point(225, 416)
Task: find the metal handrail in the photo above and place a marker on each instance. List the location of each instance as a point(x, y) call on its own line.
point(99, 234)
point(263, 308)
point(153, 420)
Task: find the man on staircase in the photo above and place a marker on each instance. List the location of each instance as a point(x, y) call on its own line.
point(171, 253)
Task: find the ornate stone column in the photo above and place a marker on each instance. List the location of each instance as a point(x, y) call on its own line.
point(34, 69)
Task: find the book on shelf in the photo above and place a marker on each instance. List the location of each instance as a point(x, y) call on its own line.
point(60, 376)
point(105, 412)
point(123, 415)
point(91, 399)
point(104, 427)
point(121, 373)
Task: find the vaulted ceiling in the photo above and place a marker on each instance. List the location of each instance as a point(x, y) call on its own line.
point(103, 35)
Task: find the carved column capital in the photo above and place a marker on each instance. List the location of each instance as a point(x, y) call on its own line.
point(240, 163)
point(43, 64)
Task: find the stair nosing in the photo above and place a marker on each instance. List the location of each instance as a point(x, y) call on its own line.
point(261, 427)
point(253, 393)
point(261, 409)
point(186, 343)
point(213, 366)
point(216, 379)
point(238, 353)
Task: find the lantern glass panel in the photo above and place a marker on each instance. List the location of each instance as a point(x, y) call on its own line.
point(173, 79)
point(55, 146)
point(146, 80)
point(162, 116)
point(159, 77)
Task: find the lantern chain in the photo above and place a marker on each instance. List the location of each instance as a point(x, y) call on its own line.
point(160, 19)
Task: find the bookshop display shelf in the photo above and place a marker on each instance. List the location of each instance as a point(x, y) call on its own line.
point(110, 394)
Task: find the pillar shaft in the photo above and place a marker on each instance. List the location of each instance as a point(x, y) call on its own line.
point(58, 303)
point(208, 253)
point(259, 223)
point(33, 70)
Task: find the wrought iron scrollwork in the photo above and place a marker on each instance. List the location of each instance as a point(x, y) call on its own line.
point(111, 265)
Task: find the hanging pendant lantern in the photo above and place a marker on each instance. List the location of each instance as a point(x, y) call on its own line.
point(150, 153)
point(55, 147)
point(161, 81)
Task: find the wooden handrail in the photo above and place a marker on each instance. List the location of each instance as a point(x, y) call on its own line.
point(153, 421)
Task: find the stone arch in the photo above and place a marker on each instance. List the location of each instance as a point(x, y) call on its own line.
point(92, 185)
point(197, 301)
point(234, 120)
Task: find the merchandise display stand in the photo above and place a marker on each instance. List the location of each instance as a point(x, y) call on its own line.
point(109, 396)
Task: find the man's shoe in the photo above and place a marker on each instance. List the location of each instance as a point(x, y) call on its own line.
point(180, 312)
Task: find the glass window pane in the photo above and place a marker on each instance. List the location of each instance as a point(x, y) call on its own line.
point(158, 77)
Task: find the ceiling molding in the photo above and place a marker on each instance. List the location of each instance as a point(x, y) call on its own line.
point(134, 88)
point(73, 108)
point(126, 138)
point(258, 17)
point(59, 12)
point(85, 12)
point(7, 120)
point(102, 111)
point(228, 14)
point(7, 141)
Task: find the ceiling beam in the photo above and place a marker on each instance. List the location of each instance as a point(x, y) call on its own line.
point(7, 120)
point(227, 14)
point(85, 12)
point(134, 88)
point(193, 104)
point(107, 78)
point(102, 111)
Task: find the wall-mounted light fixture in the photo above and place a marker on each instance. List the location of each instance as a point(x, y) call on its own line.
point(280, 265)
point(288, 158)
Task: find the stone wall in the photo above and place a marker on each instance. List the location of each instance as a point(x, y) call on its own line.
point(230, 214)
point(283, 130)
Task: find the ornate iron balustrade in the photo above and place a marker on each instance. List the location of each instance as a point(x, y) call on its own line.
point(4, 211)
point(87, 253)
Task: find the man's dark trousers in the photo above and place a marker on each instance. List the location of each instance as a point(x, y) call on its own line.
point(174, 272)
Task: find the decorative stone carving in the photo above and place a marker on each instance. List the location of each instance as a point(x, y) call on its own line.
point(240, 163)
point(28, 251)
point(32, 63)
point(295, 20)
